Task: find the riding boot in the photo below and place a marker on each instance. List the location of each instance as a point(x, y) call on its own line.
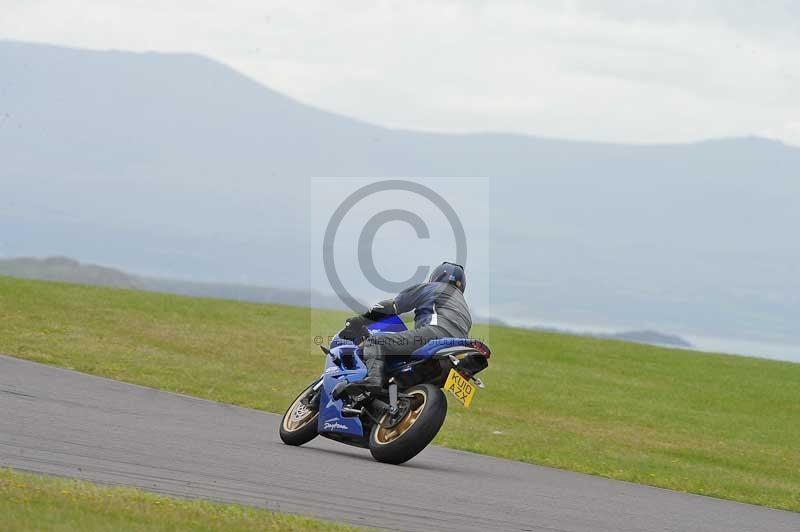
point(375, 374)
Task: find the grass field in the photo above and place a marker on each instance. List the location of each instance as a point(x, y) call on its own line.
point(718, 425)
point(29, 502)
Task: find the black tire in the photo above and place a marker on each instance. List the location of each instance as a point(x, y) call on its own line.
point(404, 441)
point(298, 431)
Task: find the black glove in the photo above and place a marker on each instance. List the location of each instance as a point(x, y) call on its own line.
point(354, 327)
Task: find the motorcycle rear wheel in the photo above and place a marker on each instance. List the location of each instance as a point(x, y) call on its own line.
point(394, 441)
point(299, 423)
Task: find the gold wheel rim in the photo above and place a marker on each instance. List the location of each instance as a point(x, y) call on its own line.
point(298, 415)
point(385, 435)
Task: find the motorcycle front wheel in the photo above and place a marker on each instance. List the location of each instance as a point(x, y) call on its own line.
point(299, 423)
point(397, 439)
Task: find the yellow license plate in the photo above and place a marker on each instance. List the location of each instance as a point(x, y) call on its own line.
point(460, 387)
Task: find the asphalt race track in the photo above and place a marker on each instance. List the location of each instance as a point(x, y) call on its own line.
point(65, 423)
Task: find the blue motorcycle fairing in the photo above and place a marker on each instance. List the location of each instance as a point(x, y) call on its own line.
point(392, 324)
point(330, 410)
point(331, 420)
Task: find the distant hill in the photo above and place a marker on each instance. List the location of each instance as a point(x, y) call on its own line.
point(638, 337)
point(649, 337)
point(177, 166)
point(69, 270)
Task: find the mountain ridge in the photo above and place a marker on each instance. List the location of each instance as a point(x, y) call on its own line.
point(176, 165)
point(201, 58)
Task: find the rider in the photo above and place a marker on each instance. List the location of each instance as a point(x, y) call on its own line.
point(440, 312)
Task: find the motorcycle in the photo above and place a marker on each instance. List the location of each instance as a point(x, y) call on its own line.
point(400, 420)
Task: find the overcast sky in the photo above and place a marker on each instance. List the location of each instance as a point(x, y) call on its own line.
point(632, 71)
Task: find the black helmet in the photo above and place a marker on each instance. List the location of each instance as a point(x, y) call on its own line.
point(449, 272)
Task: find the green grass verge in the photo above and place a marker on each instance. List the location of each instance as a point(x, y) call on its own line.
point(718, 425)
point(32, 502)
